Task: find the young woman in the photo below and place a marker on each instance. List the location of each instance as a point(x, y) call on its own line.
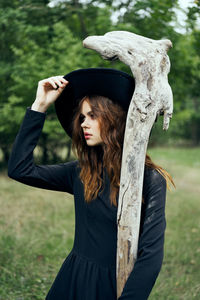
point(91, 105)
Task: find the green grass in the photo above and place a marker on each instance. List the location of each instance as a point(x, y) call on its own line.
point(36, 234)
point(37, 231)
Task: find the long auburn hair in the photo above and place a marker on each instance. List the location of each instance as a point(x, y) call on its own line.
point(93, 159)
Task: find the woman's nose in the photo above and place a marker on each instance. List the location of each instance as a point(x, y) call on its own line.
point(85, 124)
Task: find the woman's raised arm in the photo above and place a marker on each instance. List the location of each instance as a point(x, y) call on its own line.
point(21, 165)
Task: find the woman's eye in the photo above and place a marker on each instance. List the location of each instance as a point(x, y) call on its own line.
point(92, 116)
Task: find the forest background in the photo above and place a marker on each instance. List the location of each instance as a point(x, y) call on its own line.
point(43, 38)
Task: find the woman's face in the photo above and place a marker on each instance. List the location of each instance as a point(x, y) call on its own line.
point(90, 125)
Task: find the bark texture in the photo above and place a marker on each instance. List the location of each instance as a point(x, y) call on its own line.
point(150, 65)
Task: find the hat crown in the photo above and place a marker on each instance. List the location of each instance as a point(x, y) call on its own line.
point(111, 83)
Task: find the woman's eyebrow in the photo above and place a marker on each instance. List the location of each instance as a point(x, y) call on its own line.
point(88, 113)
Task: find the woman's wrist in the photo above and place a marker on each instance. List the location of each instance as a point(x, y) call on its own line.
point(38, 106)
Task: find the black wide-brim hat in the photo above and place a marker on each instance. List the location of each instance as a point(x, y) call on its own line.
point(116, 85)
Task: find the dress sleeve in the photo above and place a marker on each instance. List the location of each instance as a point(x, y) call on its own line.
point(21, 165)
point(151, 242)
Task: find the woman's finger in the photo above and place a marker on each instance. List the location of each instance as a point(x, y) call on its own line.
point(57, 81)
point(63, 80)
point(52, 83)
point(47, 82)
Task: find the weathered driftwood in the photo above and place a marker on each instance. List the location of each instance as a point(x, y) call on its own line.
point(150, 65)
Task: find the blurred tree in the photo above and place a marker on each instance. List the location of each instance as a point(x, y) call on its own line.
point(193, 26)
point(32, 64)
point(11, 27)
point(84, 18)
point(42, 38)
point(150, 18)
point(157, 20)
point(29, 53)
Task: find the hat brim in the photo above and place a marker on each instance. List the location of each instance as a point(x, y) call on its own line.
point(114, 84)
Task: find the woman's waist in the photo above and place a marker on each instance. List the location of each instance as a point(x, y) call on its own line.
point(105, 259)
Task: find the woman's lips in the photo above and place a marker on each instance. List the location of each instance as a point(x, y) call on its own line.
point(87, 136)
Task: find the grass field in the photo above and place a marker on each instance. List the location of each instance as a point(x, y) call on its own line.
point(37, 231)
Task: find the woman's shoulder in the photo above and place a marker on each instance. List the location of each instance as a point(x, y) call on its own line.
point(70, 168)
point(153, 177)
point(154, 187)
point(73, 165)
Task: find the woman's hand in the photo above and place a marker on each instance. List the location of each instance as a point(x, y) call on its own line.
point(48, 91)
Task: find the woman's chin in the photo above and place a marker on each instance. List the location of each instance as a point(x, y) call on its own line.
point(93, 144)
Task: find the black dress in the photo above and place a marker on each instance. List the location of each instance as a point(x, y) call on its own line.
point(89, 271)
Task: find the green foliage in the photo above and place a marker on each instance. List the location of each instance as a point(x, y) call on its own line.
point(39, 40)
point(151, 18)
